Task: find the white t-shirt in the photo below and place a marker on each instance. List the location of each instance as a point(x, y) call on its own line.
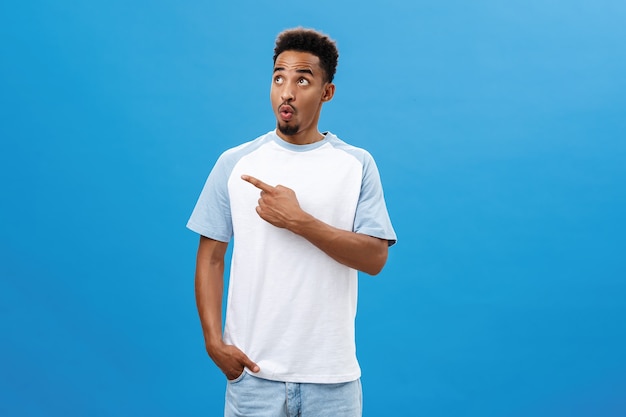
point(291, 308)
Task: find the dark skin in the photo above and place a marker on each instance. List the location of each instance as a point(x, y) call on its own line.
point(299, 88)
point(209, 291)
point(279, 206)
point(299, 84)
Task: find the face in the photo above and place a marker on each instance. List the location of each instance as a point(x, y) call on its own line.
point(299, 89)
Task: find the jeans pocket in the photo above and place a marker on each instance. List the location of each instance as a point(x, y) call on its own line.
point(239, 378)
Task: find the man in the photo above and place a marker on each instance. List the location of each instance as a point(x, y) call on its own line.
point(306, 211)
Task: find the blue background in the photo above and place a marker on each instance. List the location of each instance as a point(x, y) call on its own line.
point(499, 129)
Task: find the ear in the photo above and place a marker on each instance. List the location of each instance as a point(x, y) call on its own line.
point(329, 92)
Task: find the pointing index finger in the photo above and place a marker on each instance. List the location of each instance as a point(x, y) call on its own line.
point(257, 183)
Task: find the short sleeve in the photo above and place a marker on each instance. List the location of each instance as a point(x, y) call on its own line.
point(371, 216)
point(211, 216)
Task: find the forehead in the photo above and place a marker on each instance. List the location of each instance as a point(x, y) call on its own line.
point(296, 60)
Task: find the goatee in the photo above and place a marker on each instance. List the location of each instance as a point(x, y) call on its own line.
point(288, 130)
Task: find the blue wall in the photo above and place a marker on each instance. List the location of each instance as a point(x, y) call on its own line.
point(500, 132)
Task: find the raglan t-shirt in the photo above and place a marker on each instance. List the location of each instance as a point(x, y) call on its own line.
point(290, 307)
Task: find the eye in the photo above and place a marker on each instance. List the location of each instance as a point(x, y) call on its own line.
point(278, 79)
point(303, 81)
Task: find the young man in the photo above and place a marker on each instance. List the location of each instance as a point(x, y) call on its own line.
point(306, 211)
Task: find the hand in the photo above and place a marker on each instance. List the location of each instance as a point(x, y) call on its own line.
point(278, 205)
point(231, 360)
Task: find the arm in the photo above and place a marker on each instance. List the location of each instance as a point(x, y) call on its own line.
point(356, 250)
point(279, 206)
point(209, 284)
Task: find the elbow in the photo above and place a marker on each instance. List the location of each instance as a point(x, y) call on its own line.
point(377, 263)
point(375, 269)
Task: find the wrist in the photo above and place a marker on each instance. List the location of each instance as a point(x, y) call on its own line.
point(213, 344)
point(301, 224)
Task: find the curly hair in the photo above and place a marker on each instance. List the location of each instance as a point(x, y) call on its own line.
point(311, 41)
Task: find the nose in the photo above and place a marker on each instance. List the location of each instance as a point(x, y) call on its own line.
point(287, 93)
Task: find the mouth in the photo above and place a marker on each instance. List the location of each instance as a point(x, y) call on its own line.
point(286, 112)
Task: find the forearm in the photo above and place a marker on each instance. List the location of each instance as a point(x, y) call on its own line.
point(209, 288)
point(279, 207)
point(209, 303)
point(209, 291)
point(362, 252)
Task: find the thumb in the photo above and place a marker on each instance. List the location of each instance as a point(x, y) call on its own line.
point(249, 364)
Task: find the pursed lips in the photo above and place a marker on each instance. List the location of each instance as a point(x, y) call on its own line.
point(286, 111)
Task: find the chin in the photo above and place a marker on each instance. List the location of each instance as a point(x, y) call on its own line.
point(288, 130)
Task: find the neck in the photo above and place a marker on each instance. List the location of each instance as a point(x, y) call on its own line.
point(301, 138)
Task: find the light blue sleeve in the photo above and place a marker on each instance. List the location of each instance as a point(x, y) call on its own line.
point(371, 216)
point(211, 216)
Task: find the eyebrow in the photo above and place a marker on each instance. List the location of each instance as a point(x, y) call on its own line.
point(299, 71)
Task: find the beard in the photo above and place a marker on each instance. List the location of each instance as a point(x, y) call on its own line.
point(288, 130)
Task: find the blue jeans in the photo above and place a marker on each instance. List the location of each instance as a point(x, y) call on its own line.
point(249, 396)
